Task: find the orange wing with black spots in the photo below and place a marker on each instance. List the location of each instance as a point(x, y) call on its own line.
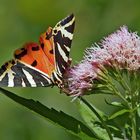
point(32, 54)
point(38, 65)
point(47, 45)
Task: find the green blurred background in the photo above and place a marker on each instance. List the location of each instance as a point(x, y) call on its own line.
point(22, 21)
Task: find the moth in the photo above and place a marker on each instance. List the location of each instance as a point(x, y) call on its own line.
point(41, 64)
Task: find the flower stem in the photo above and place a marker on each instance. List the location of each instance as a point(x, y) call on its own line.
point(111, 87)
point(133, 117)
point(133, 126)
point(99, 117)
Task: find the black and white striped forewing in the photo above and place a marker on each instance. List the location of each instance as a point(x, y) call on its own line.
point(63, 35)
point(17, 74)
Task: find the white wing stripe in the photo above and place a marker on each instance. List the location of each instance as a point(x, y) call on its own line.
point(62, 53)
point(66, 33)
point(30, 78)
point(67, 48)
point(48, 79)
point(10, 79)
point(23, 84)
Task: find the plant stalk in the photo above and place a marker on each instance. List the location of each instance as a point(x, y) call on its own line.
point(98, 116)
point(133, 115)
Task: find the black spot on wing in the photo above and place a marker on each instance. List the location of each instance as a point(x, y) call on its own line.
point(51, 51)
point(36, 48)
point(42, 45)
point(12, 62)
point(34, 63)
point(20, 55)
point(55, 31)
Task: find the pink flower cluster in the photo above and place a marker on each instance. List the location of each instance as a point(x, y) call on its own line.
point(121, 49)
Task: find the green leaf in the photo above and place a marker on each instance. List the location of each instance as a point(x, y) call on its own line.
point(138, 111)
point(138, 123)
point(115, 103)
point(91, 120)
point(119, 113)
point(115, 138)
point(57, 117)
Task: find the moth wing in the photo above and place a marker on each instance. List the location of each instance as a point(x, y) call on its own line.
point(23, 73)
point(17, 74)
point(63, 34)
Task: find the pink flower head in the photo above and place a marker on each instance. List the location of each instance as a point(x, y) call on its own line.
point(121, 49)
point(80, 78)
